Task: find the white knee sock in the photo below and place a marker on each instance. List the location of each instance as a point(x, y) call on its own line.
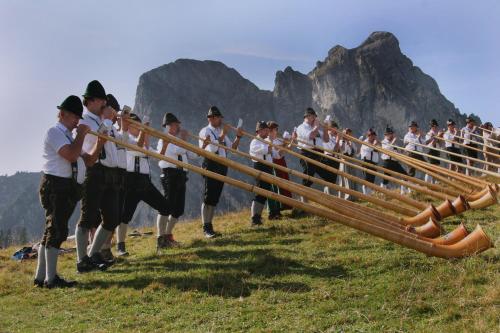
point(303, 199)
point(170, 225)
point(257, 208)
point(81, 238)
point(121, 233)
point(100, 237)
point(429, 179)
point(51, 254)
point(161, 224)
point(41, 267)
point(207, 213)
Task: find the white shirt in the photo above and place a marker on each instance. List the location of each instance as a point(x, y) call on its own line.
point(57, 137)
point(303, 134)
point(347, 147)
point(137, 161)
point(409, 141)
point(214, 134)
point(260, 150)
point(330, 145)
point(275, 151)
point(449, 136)
point(93, 121)
point(466, 131)
point(121, 152)
point(429, 136)
point(386, 144)
point(368, 153)
point(176, 153)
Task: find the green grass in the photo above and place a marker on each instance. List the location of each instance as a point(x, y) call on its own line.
point(291, 275)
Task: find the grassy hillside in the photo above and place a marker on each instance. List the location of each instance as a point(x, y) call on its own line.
point(291, 275)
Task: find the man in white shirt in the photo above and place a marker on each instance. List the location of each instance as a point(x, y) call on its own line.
point(310, 134)
point(412, 141)
point(488, 134)
point(261, 150)
point(331, 144)
point(100, 206)
point(59, 188)
point(138, 183)
point(470, 128)
point(450, 138)
point(387, 161)
point(348, 148)
point(173, 179)
point(214, 132)
point(370, 155)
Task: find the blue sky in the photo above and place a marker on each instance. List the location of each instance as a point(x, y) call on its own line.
point(51, 49)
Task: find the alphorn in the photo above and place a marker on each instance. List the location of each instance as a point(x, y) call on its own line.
point(479, 143)
point(469, 147)
point(475, 242)
point(487, 139)
point(462, 165)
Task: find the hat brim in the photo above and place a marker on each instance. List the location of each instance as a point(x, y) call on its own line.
point(79, 115)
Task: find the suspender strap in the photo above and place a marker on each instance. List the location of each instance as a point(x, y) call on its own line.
point(137, 164)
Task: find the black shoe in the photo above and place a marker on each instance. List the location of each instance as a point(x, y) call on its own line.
point(275, 216)
point(120, 250)
point(60, 283)
point(97, 259)
point(208, 230)
point(86, 265)
point(107, 255)
point(256, 220)
point(38, 283)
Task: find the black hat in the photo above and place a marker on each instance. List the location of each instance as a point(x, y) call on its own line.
point(370, 132)
point(389, 130)
point(310, 112)
point(469, 120)
point(261, 125)
point(413, 124)
point(135, 117)
point(450, 122)
point(488, 124)
point(169, 118)
point(95, 90)
point(272, 124)
point(433, 122)
point(214, 112)
point(72, 104)
point(332, 123)
point(113, 102)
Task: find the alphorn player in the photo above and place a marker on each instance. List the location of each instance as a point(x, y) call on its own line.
point(278, 158)
point(450, 137)
point(432, 141)
point(369, 155)
point(347, 148)
point(488, 134)
point(173, 179)
point(100, 195)
point(468, 139)
point(59, 188)
point(331, 142)
point(217, 133)
point(410, 139)
point(389, 162)
point(261, 150)
point(138, 179)
point(309, 134)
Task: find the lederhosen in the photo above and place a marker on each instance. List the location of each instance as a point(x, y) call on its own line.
point(311, 169)
point(368, 176)
point(213, 187)
point(58, 197)
point(411, 170)
point(100, 197)
point(436, 153)
point(471, 152)
point(173, 181)
point(276, 206)
point(392, 165)
point(260, 183)
point(140, 188)
point(455, 150)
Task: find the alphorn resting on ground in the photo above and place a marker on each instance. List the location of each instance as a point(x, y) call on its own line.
point(460, 246)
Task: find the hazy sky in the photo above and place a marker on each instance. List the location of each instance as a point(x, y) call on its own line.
point(51, 49)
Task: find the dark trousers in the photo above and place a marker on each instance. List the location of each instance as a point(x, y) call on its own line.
point(368, 176)
point(436, 153)
point(311, 169)
point(140, 188)
point(260, 183)
point(100, 200)
point(393, 166)
point(454, 158)
point(411, 170)
point(58, 197)
point(213, 187)
point(173, 181)
point(471, 152)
